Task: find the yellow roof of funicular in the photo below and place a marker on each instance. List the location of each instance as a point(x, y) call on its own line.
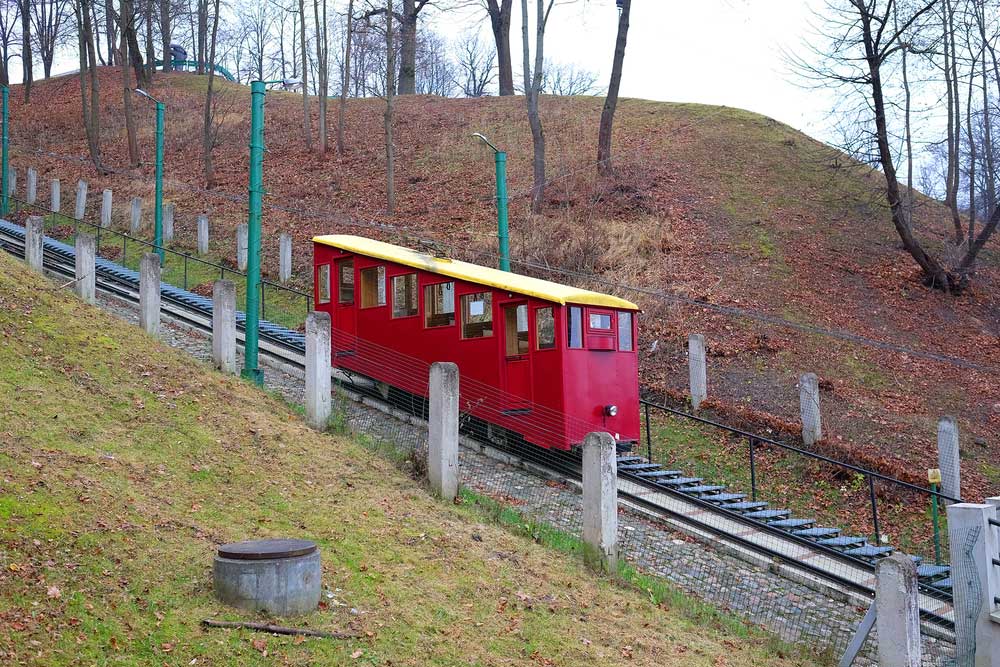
point(473, 273)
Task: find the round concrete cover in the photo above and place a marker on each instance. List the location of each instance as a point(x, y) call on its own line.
point(267, 549)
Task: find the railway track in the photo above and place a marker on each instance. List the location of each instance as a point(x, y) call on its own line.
point(816, 555)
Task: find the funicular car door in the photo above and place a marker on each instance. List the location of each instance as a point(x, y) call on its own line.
point(517, 355)
point(345, 324)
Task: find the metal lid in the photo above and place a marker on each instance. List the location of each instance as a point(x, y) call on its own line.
point(267, 549)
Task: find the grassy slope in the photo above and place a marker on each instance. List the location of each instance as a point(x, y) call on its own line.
point(122, 463)
point(710, 202)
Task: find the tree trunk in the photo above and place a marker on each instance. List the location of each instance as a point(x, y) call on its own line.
point(165, 34)
point(127, 20)
point(345, 78)
point(208, 127)
point(26, 57)
point(322, 73)
point(500, 24)
point(201, 56)
point(135, 55)
point(408, 49)
point(306, 115)
point(88, 74)
point(532, 88)
point(390, 86)
point(150, 48)
point(611, 100)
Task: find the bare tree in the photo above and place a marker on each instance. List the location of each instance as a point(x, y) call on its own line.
point(49, 18)
point(499, 13)
point(568, 80)
point(611, 100)
point(126, 19)
point(306, 115)
point(10, 14)
point(435, 70)
point(345, 77)
point(532, 89)
point(209, 127)
point(476, 64)
point(26, 57)
point(149, 17)
point(323, 70)
point(390, 90)
point(165, 34)
point(90, 100)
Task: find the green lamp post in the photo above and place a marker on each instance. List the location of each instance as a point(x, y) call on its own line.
point(503, 233)
point(158, 205)
point(5, 141)
point(251, 345)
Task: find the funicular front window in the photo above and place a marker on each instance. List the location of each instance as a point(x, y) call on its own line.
point(404, 295)
point(439, 305)
point(345, 282)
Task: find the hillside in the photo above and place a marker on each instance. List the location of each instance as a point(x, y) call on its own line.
point(124, 463)
point(710, 204)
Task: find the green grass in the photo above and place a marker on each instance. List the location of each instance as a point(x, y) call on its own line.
point(123, 463)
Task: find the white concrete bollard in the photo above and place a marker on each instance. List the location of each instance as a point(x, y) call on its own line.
point(85, 274)
point(285, 258)
point(12, 182)
point(31, 187)
point(241, 247)
point(812, 429)
point(135, 225)
point(318, 361)
point(949, 461)
point(202, 234)
point(224, 326)
point(34, 236)
point(80, 209)
point(442, 431)
point(897, 612)
point(600, 500)
point(168, 223)
point(149, 293)
point(696, 370)
point(974, 543)
point(106, 198)
point(56, 197)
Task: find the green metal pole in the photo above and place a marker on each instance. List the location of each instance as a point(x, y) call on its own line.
point(937, 528)
point(250, 368)
point(158, 207)
point(503, 231)
point(5, 169)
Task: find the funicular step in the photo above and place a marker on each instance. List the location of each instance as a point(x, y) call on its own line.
point(932, 571)
point(680, 481)
point(942, 584)
point(869, 551)
point(765, 515)
point(704, 489)
point(630, 459)
point(748, 506)
point(723, 497)
point(635, 467)
point(790, 524)
point(650, 474)
point(817, 533)
point(843, 541)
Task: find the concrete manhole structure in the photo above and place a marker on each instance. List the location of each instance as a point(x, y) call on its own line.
point(280, 577)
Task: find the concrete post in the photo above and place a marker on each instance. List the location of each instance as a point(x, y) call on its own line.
point(696, 369)
point(973, 543)
point(12, 182)
point(898, 612)
point(948, 457)
point(812, 429)
point(168, 223)
point(106, 209)
point(85, 273)
point(135, 225)
point(241, 247)
point(442, 431)
point(149, 293)
point(80, 209)
point(285, 258)
point(31, 195)
point(56, 196)
point(318, 351)
point(600, 500)
point(34, 235)
point(224, 326)
point(202, 234)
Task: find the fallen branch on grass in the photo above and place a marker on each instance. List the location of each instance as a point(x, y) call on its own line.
point(278, 629)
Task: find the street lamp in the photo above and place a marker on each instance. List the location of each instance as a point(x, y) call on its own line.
point(503, 234)
point(5, 141)
point(158, 205)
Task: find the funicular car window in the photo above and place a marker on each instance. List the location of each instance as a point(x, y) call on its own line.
point(439, 305)
point(345, 282)
point(545, 329)
point(373, 287)
point(477, 315)
point(516, 323)
point(625, 332)
point(323, 283)
point(574, 327)
point(404, 295)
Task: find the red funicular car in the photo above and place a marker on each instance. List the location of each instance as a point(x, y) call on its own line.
point(545, 361)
